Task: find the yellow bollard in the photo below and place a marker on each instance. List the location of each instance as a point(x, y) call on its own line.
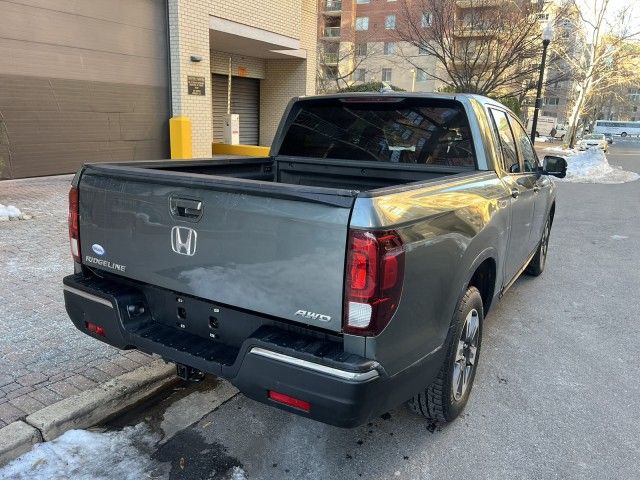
point(180, 138)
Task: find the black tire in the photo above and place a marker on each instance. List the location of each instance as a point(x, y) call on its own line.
point(623, 134)
point(438, 402)
point(539, 260)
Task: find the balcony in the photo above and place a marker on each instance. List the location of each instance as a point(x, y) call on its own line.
point(330, 59)
point(480, 3)
point(467, 30)
point(333, 8)
point(331, 33)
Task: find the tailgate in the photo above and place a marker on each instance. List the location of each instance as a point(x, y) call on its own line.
point(270, 248)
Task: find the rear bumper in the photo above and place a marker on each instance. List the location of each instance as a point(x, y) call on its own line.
point(343, 389)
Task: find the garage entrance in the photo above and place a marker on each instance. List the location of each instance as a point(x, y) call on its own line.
point(245, 101)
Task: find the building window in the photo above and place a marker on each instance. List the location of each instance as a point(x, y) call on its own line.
point(386, 74)
point(359, 75)
point(427, 19)
point(542, 17)
point(389, 48)
point(552, 101)
point(361, 49)
point(421, 75)
point(360, 2)
point(390, 22)
point(362, 24)
point(422, 51)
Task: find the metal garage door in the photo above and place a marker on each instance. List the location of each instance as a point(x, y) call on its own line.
point(245, 101)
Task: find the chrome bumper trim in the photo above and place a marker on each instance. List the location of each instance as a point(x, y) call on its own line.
point(335, 372)
point(88, 296)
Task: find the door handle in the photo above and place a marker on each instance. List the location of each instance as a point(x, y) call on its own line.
point(536, 188)
point(515, 192)
point(186, 208)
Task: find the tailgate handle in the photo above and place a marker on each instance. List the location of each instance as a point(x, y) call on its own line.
point(186, 208)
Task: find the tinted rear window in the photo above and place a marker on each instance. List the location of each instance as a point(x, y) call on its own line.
point(412, 131)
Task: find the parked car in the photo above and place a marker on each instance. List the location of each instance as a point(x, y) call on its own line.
point(593, 140)
point(349, 271)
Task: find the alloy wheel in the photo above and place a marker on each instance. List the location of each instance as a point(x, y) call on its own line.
point(466, 353)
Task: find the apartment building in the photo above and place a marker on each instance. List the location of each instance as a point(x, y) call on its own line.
point(91, 80)
point(565, 51)
point(358, 43)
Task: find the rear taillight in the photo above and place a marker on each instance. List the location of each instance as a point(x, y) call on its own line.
point(373, 284)
point(74, 224)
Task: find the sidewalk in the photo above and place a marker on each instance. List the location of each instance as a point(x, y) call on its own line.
point(43, 358)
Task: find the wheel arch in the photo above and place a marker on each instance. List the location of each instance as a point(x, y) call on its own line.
point(484, 278)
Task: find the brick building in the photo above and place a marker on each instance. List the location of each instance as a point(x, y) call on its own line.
point(99, 81)
point(358, 43)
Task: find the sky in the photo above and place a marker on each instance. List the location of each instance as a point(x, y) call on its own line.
point(614, 7)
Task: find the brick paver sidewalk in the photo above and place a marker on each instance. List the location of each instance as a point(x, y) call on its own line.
point(43, 358)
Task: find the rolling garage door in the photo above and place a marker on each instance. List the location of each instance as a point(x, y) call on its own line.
point(245, 101)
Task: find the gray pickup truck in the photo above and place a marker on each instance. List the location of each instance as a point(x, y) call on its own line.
point(346, 273)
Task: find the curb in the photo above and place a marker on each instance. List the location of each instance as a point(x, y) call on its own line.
point(85, 409)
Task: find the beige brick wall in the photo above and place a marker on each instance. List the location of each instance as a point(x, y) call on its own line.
point(189, 35)
point(278, 16)
point(281, 79)
point(254, 67)
point(289, 78)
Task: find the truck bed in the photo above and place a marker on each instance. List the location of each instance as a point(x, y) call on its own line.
point(327, 173)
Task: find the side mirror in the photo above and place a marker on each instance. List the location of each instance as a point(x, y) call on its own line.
point(556, 166)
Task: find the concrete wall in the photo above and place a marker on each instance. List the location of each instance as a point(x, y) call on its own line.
point(81, 81)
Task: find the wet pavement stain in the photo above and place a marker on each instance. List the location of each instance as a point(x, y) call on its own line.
point(193, 458)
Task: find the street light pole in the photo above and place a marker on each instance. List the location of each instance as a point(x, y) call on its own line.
point(547, 35)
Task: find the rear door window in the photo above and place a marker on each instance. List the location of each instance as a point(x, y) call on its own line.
point(526, 149)
point(394, 130)
point(507, 142)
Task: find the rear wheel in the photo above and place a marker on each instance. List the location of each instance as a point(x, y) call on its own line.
point(623, 134)
point(446, 397)
point(537, 263)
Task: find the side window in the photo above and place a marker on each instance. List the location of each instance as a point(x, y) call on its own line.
point(507, 142)
point(526, 149)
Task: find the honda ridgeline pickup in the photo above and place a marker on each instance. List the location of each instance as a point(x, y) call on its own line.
point(347, 272)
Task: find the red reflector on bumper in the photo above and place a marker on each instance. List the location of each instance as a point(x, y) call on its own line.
point(93, 328)
point(290, 401)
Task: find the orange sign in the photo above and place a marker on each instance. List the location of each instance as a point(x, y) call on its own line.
point(242, 71)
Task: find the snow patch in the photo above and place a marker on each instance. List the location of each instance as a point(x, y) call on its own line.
point(84, 455)
point(11, 212)
point(619, 237)
point(237, 474)
point(592, 166)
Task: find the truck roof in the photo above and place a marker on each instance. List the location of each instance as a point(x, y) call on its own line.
point(435, 95)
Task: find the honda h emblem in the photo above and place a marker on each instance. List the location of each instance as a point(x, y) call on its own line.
point(183, 240)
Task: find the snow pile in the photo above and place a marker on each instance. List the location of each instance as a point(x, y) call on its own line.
point(542, 139)
point(11, 212)
point(591, 166)
point(83, 455)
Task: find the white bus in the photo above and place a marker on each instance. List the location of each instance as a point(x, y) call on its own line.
point(614, 127)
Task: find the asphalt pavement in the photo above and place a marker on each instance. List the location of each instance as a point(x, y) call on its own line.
point(556, 394)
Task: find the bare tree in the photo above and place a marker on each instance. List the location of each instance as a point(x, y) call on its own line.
point(480, 46)
point(338, 63)
point(609, 61)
